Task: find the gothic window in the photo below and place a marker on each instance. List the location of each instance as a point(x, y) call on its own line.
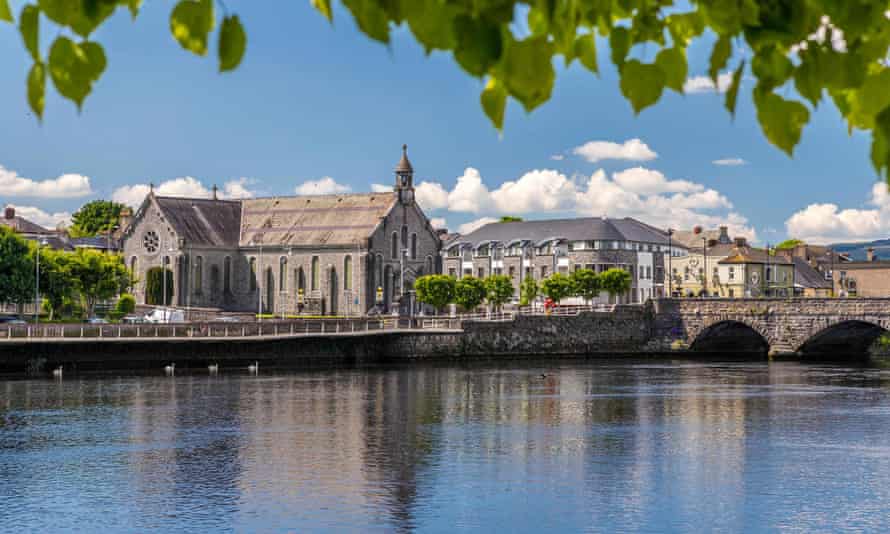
point(316, 273)
point(151, 241)
point(347, 273)
point(404, 236)
point(394, 248)
point(253, 274)
point(227, 274)
point(413, 246)
point(199, 274)
point(282, 273)
point(429, 265)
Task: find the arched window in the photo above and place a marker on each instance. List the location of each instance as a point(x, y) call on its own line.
point(404, 236)
point(252, 275)
point(199, 274)
point(227, 274)
point(394, 249)
point(316, 273)
point(133, 265)
point(413, 246)
point(301, 279)
point(282, 273)
point(347, 273)
point(429, 265)
point(379, 270)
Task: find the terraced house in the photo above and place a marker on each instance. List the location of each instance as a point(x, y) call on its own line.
point(537, 249)
point(324, 254)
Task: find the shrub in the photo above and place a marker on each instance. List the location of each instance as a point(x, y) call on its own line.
point(498, 289)
point(557, 287)
point(126, 304)
point(154, 286)
point(469, 292)
point(437, 290)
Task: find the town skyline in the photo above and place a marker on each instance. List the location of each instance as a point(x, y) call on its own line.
point(582, 154)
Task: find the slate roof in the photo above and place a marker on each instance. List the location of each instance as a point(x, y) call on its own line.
point(805, 275)
point(98, 242)
point(744, 254)
point(690, 239)
point(312, 221)
point(580, 229)
point(23, 226)
point(203, 222)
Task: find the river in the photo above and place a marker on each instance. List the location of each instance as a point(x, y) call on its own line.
point(599, 446)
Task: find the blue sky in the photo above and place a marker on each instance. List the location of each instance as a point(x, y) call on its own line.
point(313, 101)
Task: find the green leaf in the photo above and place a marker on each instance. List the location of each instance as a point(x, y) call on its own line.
point(870, 99)
point(479, 44)
point(808, 82)
point(29, 27)
point(771, 67)
point(672, 61)
point(432, 23)
point(642, 84)
point(585, 51)
point(685, 26)
point(733, 92)
point(782, 120)
point(880, 144)
point(232, 42)
point(371, 18)
point(719, 57)
point(37, 88)
point(619, 42)
point(133, 6)
point(81, 16)
point(74, 67)
point(527, 70)
point(5, 12)
point(191, 22)
point(494, 101)
point(323, 6)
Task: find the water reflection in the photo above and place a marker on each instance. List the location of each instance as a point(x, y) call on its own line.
point(651, 446)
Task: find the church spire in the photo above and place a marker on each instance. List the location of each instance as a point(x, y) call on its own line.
point(405, 178)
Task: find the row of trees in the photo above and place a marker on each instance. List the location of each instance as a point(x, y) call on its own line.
point(68, 280)
point(469, 292)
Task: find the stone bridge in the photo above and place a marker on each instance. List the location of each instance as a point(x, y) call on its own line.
point(805, 326)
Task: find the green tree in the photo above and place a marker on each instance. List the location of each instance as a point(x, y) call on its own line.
point(126, 304)
point(557, 287)
point(509, 219)
point(98, 276)
point(469, 292)
point(528, 291)
point(437, 290)
point(154, 286)
point(94, 218)
point(789, 244)
point(648, 41)
point(616, 282)
point(587, 284)
point(56, 282)
point(16, 268)
point(498, 289)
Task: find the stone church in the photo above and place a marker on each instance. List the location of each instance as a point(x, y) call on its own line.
point(313, 255)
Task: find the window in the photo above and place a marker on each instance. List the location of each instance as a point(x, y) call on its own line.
point(227, 274)
point(716, 273)
point(282, 273)
point(649, 272)
point(481, 272)
point(252, 274)
point(731, 293)
point(347, 273)
point(483, 251)
point(315, 274)
point(413, 246)
point(199, 274)
point(452, 272)
point(511, 271)
point(429, 265)
point(543, 272)
point(394, 247)
point(454, 252)
point(150, 241)
point(769, 274)
point(576, 267)
point(731, 277)
point(404, 236)
point(686, 273)
point(498, 271)
point(642, 272)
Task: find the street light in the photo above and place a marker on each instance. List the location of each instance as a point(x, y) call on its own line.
point(41, 243)
point(705, 273)
point(670, 263)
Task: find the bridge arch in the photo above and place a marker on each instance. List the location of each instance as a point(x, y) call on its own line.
point(731, 336)
point(842, 339)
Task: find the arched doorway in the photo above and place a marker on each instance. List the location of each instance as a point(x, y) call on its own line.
point(730, 337)
point(333, 291)
point(269, 305)
point(215, 284)
point(387, 288)
point(842, 341)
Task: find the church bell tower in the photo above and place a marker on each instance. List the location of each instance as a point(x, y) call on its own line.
point(405, 178)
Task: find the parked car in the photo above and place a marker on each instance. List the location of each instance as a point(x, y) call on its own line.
point(17, 321)
point(97, 320)
point(132, 319)
point(227, 319)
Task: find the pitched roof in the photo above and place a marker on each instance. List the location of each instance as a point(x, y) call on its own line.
point(203, 222)
point(690, 239)
point(805, 275)
point(745, 254)
point(404, 165)
point(313, 220)
point(580, 229)
point(23, 226)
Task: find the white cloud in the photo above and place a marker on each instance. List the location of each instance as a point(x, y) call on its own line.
point(438, 223)
point(38, 216)
point(704, 84)
point(731, 162)
point(431, 196)
point(322, 186)
point(186, 186)
point(470, 194)
point(381, 188)
point(825, 223)
point(65, 186)
point(538, 190)
point(650, 182)
point(557, 157)
point(471, 226)
point(632, 149)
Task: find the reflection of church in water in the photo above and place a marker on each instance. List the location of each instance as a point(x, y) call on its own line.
point(320, 254)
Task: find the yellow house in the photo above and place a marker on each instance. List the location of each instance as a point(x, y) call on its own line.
point(733, 269)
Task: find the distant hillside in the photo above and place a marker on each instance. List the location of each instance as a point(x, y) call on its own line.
point(857, 250)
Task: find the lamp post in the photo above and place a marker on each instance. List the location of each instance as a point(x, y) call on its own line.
point(402, 259)
point(40, 243)
point(670, 263)
point(259, 280)
point(705, 272)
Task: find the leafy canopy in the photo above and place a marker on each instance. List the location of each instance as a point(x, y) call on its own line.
point(528, 291)
point(498, 289)
point(587, 283)
point(17, 274)
point(789, 244)
point(469, 292)
point(825, 50)
point(615, 281)
point(98, 275)
point(94, 218)
point(437, 290)
point(558, 286)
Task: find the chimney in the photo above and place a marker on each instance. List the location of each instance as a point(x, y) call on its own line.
point(9, 213)
point(740, 241)
point(712, 242)
point(125, 218)
point(724, 235)
point(869, 254)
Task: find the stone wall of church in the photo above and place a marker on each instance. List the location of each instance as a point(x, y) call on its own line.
point(143, 246)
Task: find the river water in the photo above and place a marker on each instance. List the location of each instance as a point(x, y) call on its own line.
point(580, 446)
